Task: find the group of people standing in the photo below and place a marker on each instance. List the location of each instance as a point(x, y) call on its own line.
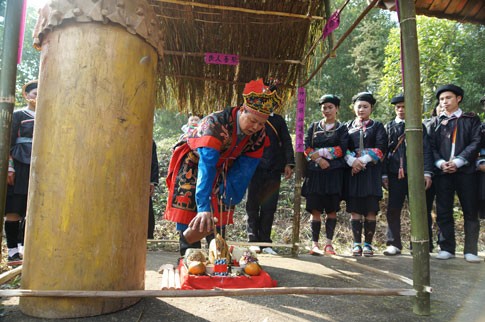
point(355, 160)
point(249, 145)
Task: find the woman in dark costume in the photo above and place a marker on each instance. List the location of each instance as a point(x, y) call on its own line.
point(325, 145)
point(18, 173)
point(366, 150)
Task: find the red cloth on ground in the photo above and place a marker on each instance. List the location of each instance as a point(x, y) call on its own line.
point(191, 282)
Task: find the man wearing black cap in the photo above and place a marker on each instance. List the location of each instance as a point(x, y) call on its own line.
point(455, 142)
point(18, 173)
point(394, 176)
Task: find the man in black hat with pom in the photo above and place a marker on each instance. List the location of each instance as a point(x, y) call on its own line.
point(455, 142)
point(394, 176)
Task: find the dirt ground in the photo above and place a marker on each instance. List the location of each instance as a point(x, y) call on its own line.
point(458, 293)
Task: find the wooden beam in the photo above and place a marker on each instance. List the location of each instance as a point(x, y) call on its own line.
point(243, 58)
point(252, 11)
point(223, 81)
point(210, 293)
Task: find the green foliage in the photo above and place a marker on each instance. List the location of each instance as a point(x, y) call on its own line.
point(358, 63)
point(167, 124)
point(449, 53)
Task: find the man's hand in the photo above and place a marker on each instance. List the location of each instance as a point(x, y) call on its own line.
point(449, 167)
point(202, 222)
point(427, 182)
point(11, 178)
point(152, 189)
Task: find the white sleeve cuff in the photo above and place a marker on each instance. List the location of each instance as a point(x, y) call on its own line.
point(365, 158)
point(350, 160)
point(459, 162)
point(439, 163)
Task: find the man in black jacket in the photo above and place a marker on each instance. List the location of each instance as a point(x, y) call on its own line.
point(394, 176)
point(263, 190)
point(455, 142)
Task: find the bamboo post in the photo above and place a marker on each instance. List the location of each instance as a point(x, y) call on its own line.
point(89, 184)
point(7, 92)
point(331, 37)
point(414, 147)
point(298, 178)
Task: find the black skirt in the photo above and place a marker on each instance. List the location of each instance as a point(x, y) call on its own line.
point(323, 182)
point(366, 183)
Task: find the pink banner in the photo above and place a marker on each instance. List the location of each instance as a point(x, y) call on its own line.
point(332, 24)
point(221, 59)
point(22, 32)
point(300, 120)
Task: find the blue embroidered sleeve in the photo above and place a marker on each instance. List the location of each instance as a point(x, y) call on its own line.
point(238, 178)
point(208, 158)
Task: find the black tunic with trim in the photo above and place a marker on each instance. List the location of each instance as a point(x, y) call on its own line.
point(325, 181)
point(367, 182)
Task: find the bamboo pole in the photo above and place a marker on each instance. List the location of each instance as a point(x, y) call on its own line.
point(238, 9)
point(414, 147)
point(7, 92)
point(8, 275)
point(210, 293)
point(299, 164)
point(331, 37)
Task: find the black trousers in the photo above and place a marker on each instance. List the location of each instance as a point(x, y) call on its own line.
point(465, 186)
point(262, 201)
point(398, 190)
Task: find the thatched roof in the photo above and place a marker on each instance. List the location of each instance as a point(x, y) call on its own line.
point(271, 38)
point(460, 10)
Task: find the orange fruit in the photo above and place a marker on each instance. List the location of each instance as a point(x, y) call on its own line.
point(196, 268)
point(252, 269)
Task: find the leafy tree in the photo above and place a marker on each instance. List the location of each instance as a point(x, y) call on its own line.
point(443, 60)
point(358, 62)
